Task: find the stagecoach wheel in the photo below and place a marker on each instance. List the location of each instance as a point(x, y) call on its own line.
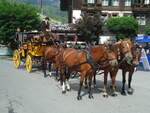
point(16, 59)
point(28, 63)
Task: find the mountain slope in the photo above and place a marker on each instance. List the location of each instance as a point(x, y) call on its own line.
point(50, 8)
point(54, 3)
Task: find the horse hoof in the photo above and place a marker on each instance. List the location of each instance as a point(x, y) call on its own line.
point(91, 97)
point(56, 78)
point(63, 92)
point(79, 98)
point(123, 93)
point(114, 94)
point(111, 87)
point(50, 74)
point(130, 91)
point(94, 86)
point(45, 76)
point(105, 95)
point(85, 86)
point(69, 89)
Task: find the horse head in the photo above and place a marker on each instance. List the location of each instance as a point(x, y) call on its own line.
point(136, 52)
point(125, 50)
point(110, 54)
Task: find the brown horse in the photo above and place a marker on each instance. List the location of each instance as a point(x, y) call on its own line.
point(75, 60)
point(83, 62)
point(136, 52)
point(50, 55)
point(110, 60)
point(122, 53)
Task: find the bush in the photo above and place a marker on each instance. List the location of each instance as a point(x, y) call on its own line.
point(15, 15)
point(122, 27)
point(147, 30)
point(89, 27)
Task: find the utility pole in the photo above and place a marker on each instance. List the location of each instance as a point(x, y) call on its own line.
point(41, 6)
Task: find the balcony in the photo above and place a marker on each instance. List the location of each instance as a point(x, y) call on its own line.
point(91, 6)
point(141, 7)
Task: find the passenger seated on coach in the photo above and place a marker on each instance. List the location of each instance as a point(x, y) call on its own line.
point(56, 40)
point(45, 25)
point(35, 38)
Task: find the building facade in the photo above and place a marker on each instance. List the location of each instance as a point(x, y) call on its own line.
point(109, 8)
point(140, 9)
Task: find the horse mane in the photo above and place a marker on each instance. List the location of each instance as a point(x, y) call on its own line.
point(117, 44)
point(96, 47)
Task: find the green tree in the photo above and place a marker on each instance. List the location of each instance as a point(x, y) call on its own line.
point(89, 27)
point(147, 30)
point(15, 15)
point(122, 27)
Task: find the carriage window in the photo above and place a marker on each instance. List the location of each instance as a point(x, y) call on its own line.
point(105, 2)
point(115, 2)
point(127, 2)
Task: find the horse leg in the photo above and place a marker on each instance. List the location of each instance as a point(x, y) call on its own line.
point(85, 83)
point(50, 69)
point(67, 81)
point(105, 84)
point(63, 85)
point(123, 82)
point(130, 89)
point(94, 79)
point(68, 85)
point(62, 81)
point(44, 67)
point(90, 92)
point(113, 77)
point(81, 84)
point(56, 75)
point(74, 74)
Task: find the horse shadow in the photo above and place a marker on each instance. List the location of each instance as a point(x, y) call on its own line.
point(84, 91)
point(97, 90)
point(35, 69)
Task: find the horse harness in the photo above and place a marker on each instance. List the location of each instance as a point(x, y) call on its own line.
point(89, 60)
point(120, 58)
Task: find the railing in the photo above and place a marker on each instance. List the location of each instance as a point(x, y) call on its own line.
point(62, 28)
point(141, 7)
point(90, 6)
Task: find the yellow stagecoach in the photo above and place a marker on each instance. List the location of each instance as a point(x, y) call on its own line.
point(31, 45)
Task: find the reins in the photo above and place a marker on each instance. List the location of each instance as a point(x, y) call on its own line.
point(54, 56)
point(121, 61)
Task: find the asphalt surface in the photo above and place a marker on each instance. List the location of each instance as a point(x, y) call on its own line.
point(23, 92)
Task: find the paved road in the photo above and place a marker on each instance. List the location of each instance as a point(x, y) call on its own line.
point(23, 92)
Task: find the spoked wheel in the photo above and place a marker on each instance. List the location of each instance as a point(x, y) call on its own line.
point(29, 63)
point(16, 59)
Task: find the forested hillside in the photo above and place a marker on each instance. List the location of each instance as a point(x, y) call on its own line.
point(50, 8)
point(44, 2)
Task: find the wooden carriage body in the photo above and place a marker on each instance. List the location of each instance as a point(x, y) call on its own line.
point(30, 50)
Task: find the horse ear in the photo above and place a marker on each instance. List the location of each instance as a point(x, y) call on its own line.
point(111, 47)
